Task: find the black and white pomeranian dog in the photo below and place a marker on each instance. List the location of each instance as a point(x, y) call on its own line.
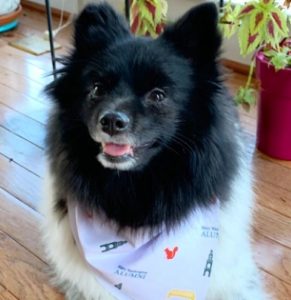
point(148, 194)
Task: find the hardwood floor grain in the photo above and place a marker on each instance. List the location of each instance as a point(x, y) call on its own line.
point(16, 64)
point(22, 126)
point(265, 221)
point(22, 272)
point(24, 112)
point(21, 83)
point(277, 288)
point(41, 62)
point(272, 173)
point(22, 152)
point(5, 294)
point(275, 198)
point(32, 108)
point(19, 182)
point(26, 230)
point(273, 258)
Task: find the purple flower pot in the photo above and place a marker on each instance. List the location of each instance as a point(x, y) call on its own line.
point(274, 110)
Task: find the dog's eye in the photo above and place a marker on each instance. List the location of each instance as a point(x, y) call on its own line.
point(157, 95)
point(98, 89)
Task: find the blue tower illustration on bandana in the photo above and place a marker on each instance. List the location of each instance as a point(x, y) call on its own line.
point(111, 246)
point(209, 262)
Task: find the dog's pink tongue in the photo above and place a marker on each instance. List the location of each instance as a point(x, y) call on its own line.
point(117, 150)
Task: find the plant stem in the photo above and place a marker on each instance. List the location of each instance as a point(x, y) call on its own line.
point(251, 71)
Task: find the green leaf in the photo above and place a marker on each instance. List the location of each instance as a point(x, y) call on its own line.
point(247, 9)
point(279, 58)
point(280, 21)
point(279, 61)
point(248, 42)
point(228, 21)
point(271, 36)
point(245, 96)
point(228, 30)
point(270, 53)
point(271, 29)
point(145, 14)
point(147, 28)
point(159, 14)
point(268, 1)
point(243, 35)
point(257, 21)
point(254, 41)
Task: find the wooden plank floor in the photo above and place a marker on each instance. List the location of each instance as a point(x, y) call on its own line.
point(23, 115)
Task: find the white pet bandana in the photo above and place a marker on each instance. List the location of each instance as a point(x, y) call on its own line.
point(165, 265)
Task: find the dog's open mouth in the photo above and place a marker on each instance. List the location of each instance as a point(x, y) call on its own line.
point(124, 150)
point(117, 156)
point(121, 156)
point(117, 150)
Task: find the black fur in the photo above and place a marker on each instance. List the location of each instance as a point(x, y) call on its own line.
point(195, 155)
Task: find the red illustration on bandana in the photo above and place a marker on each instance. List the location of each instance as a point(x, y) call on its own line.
point(171, 253)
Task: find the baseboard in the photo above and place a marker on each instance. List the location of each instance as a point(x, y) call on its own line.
point(41, 8)
point(236, 66)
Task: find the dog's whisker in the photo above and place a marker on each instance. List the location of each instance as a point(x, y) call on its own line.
point(168, 147)
point(183, 143)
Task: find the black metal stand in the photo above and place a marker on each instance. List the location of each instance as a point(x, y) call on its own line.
point(127, 9)
point(50, 30)
point(51, 38)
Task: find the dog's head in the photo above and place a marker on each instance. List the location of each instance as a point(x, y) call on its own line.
point(154, 108)
point(135, 94)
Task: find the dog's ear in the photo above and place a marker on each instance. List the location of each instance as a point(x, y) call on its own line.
point(195, 35)
point(97, 27)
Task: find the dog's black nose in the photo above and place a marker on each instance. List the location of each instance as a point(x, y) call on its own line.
point(114, 122)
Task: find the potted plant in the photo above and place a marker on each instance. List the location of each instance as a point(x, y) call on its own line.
point(262, 29)
point(148, 17)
